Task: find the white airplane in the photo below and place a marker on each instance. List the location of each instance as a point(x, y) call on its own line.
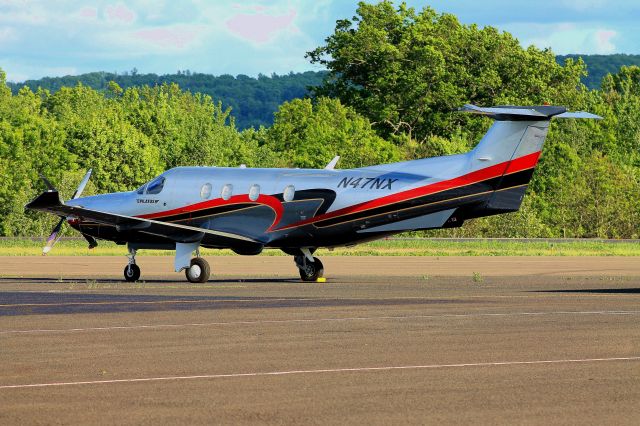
point(300, 210)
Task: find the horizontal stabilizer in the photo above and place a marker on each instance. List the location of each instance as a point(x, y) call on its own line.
point(579, 114)
point(525, 113)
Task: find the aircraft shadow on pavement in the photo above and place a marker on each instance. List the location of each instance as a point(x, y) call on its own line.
point(593, 291)
point(16, 303)
point(99, 281)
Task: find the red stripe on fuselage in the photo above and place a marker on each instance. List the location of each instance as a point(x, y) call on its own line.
point(266, 200)
point(497, 170)
point(523, 163)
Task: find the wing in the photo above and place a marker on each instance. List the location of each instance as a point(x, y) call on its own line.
point(50, 202)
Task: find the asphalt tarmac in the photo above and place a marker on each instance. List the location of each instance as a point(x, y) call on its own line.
point(386, 340)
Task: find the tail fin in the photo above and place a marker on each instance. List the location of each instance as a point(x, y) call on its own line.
point(514, 141)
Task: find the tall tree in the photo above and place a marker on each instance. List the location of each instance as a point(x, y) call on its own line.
point(406, 71)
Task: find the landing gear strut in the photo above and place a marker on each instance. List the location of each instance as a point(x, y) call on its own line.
point(131, 271)
point(309, 271)
point(198, 271)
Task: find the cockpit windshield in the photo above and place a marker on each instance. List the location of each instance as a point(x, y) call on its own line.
point(156, 185)
point(153, 187)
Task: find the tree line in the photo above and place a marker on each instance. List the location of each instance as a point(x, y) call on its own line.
point(255, 100)
point(395, 76)
point(252, 100)
point(598, 66)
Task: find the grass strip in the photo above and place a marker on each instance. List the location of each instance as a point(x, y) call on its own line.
point(386, 247)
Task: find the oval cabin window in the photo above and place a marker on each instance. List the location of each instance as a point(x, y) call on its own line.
point(289, 193)
point(254, 192)
point(227, 191)
point(205, 192)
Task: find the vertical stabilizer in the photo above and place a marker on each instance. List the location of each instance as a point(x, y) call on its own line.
point(514, 143)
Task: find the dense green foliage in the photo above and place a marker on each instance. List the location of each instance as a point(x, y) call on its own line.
point(407, 70)
point(252, 100)
point(395, 75)
point(598, 66)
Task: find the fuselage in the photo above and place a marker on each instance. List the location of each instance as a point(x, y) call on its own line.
point(289, 208)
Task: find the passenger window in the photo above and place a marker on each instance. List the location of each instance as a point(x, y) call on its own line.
point(156, 185)
point(205, 191)
point(254, 192)
point(289, 193)
point(227, 191)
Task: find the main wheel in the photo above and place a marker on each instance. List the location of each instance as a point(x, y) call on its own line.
point(199, 271)
point(311, 271)
point(131, 272)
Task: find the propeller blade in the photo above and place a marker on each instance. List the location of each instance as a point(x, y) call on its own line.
point(83, 183)
point(53, 238)
point(55, 235)
point(50, 186)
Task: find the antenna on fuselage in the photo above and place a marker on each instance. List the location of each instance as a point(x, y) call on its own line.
point(332, 163)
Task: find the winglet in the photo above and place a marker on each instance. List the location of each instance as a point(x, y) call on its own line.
point(332, 163)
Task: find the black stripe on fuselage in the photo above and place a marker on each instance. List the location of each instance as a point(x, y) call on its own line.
point(516, 179)
point(327, 196)
point(474, 189)
point(197, 214)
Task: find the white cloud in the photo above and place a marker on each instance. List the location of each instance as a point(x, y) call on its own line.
point(565, 38)
point(603, 42)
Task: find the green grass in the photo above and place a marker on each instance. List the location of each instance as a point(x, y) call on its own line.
point(390, 247)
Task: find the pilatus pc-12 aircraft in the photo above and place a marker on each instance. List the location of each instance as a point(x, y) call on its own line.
point(300, 210)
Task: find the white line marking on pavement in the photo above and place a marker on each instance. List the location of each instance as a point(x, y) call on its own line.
point(326, 370)
point(312, 320)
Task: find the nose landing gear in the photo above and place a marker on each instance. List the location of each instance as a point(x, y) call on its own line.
point(132, 271)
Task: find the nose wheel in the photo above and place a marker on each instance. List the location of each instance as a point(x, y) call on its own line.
point(132, 271)
point(309, 271)
point(199, 271)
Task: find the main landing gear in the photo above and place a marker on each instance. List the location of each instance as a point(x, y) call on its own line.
point(310, 270)
point(198, 271)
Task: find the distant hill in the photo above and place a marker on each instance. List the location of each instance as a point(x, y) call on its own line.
point(601, 65)
point(253, 100)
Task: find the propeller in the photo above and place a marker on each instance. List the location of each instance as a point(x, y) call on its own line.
point(56, 234)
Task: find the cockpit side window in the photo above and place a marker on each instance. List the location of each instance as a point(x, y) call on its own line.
point(156, 185)
point(141, 189)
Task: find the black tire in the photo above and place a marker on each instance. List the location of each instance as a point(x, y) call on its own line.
point(312, 271)
point(199, 271)
point(131, 272)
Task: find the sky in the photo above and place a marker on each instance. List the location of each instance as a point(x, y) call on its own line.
point(67, 37)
